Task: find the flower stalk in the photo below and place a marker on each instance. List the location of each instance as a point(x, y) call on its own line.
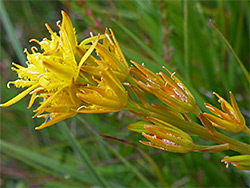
point(194, 128)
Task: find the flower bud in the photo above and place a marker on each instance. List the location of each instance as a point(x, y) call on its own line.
point(169, 139)
point(230, 119)
point(137, 126)
point(163, 135)
point(170, 90)
point(111, 54)
point(108, 96)
point(239, 161)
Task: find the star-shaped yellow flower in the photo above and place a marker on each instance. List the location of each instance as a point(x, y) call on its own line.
point(54, 74)
point(69, 78)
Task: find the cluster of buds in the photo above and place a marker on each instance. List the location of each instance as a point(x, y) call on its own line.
point(170, 90)
point(89, 77)
point(69, 78)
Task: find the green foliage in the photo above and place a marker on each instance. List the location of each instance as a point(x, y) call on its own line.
point(150, 32)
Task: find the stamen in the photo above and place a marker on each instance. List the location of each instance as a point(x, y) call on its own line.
point(8, 84)
point(40, 76)
point(172, 75)
point(49, 29)
point(34, 40)
point(81, 107)
point(34, 49)
point(58, 23)
point(26, 51)
point(44, 41)
point(98, 81)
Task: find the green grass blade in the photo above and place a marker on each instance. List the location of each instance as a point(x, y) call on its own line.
point(10, 31)
point(233, 52)
point(161, 62)
point(84, 156)
point(186, 48)
point(155, 168)
point(131, 167)
point(43, 162)
point(124, 160)
point(158, 60)
point(99, 140)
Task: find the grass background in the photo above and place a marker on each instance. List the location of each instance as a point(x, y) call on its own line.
point(175, 34)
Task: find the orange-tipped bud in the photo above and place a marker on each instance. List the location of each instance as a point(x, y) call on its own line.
point(239, 161)
point(163, 135)
point(170, 90)
point(111, 54)
point(229, 118)
point(169, 139)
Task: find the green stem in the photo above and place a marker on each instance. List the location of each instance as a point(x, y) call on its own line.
point(197, 111)
point(191, 127)
point(247, 131)
point(199, 147)
point(187, 117)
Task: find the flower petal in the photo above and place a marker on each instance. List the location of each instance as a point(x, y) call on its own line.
point(68, 27)
point(237, 110)
point(61, 71)
point(19, 96)
point(223, 124)
point(56, 120)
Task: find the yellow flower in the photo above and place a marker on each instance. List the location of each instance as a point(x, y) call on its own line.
point(108, 96)
point(54, 74)
point(110, 53)
point(230, 119)
point(170, 90)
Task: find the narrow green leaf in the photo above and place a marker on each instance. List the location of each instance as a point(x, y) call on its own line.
point(233, 52)
point(131, 167)
point(186, 47)
point(83, 154)
point(52, 166)
point(10, 31)
point(156, 169)
point(159, 62)
point(124, 160)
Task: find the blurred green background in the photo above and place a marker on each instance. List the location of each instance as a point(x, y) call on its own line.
point(175, 34)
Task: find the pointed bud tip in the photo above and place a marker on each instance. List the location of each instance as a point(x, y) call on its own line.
point(38, 128)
